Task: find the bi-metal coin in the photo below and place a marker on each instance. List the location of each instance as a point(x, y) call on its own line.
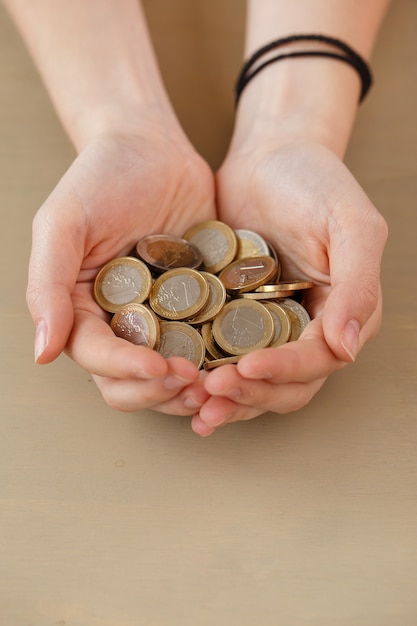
point(249, 244)
point(282, 325)
point(243, 326)
point(122, 281)
point(179, 294)
point(298, 315)
point(166, 252)
point(211, 365)
point(138, 324)
point(181, 339)
point(217, 243)
point(215, 302)
point(267, 295)
point(248, 274)
point(212, 349)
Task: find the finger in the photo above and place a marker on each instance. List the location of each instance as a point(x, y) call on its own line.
point(219, 411)
point(305, 360)
point(53, 269)
point(355, 296)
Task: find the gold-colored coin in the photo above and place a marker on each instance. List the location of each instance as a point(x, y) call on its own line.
point(179, 294)
point(250, 244)
point(211, 365)
point(299, 317)
point(289, 285)
point(268, 295)
point(248, 274)
point(215, 302)
point(181, 339)
point(166, 252)
point(282, 325)
point(243, 326)
point(212, 349)
point(122, 281)
point(217, 243)
point(138, 324)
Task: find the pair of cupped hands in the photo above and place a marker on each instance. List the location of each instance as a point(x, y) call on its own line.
point(297, 194)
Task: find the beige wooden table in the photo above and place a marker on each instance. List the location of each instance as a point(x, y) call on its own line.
point(309, 519)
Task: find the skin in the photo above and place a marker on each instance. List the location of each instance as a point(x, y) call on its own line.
point(283, 176)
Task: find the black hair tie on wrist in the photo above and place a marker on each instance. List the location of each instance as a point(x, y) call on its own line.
point(350, 57)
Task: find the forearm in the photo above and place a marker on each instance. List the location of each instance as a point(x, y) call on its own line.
point(312, 97)
point(97, 62)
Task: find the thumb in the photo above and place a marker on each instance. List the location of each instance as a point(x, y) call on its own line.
point(352, 314)
point(53, 269)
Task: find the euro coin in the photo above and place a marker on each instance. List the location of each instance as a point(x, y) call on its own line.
point(215, 302)
point(248, 274)
point(212, 349)
point(211, 365)
point(299, 317)
point(122, 281)
point(179, 294)
point(217, 243)
point(243, 326)
point(181, 339)
point(268, 295)
point(138, 324)
point(249, 244)
point(282, 325)
point(165, 252)
point(289, 285)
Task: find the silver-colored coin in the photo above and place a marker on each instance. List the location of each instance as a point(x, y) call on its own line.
point(250, 243)
point(298, 315)
point(181, 339)
point(179, 294)
point(243, 326)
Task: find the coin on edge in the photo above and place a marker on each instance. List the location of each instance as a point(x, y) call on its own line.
point(136, 323)
point(282, 324)
point(212, 349)
point(166, 252)
point(215, 302)
point(268, 295)
point(248, 274)
point(181, 339)
point(179, 294)
point(217, 243)
point(243, 326)
point(299, 317)
point(211, 365)
point(122, 281)
point(289, 285)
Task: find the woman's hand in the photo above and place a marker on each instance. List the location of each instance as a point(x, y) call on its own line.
point(119, 189)
point(301, 198)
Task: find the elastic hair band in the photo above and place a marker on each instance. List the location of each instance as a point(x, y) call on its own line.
point(350, 57)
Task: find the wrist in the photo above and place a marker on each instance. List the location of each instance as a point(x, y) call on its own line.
point(310, 99)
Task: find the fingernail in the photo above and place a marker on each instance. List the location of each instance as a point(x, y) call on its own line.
point(174, 382)
point(350, 338)
point(41, 339)
point(192, 403)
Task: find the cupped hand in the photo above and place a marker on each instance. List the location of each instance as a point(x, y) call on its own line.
point(118, 189)
point(305, 202)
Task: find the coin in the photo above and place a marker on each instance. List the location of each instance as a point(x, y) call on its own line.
point(290, 285)
point(215, 302)
point(299, 317)
point(248, 274)
point(212, 349)
point(165, 252)
point(136, 323)
point(181, 339)
point(268, 295)
point(250, 243)
point(210, 365)
point(121, 281)
point(282, 325)
point(243, 326)
point(179, 294)
point(217, 243)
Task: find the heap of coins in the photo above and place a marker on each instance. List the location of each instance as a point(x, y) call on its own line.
point(209, 296)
